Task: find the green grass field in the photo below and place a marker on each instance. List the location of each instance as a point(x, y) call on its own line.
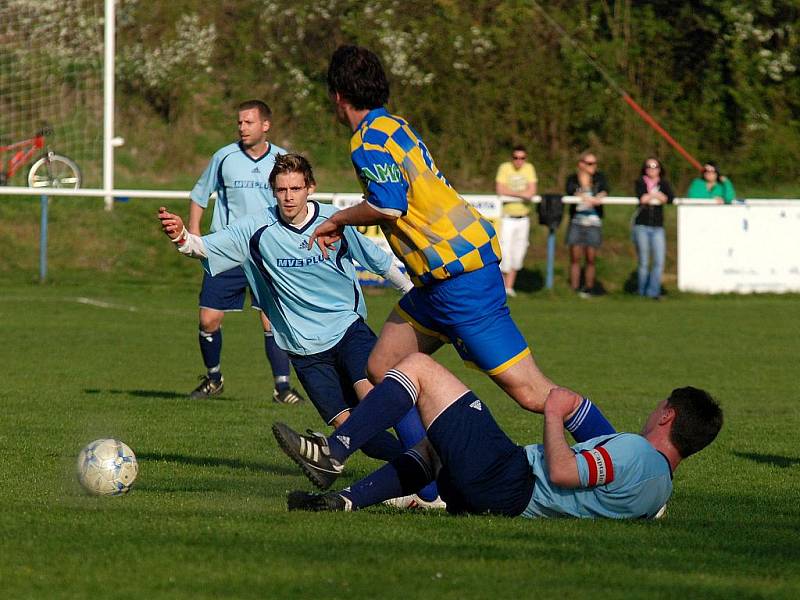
point(207, 518)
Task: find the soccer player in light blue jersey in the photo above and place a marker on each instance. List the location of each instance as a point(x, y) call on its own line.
point(314, 302)
point(480, 470)
point(238, 174)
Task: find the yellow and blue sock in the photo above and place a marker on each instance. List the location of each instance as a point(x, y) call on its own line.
point(588, 422)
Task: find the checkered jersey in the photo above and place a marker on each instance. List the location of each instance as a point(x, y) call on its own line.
point(437, 234)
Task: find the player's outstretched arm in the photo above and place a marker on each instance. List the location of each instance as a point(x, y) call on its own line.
point(327, 234)
point(375, 260)
point(171, 224)
point(173, 227)
point(562, 466)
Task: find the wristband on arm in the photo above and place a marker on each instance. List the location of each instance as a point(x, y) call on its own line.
point(398, 279)
point(190, 244)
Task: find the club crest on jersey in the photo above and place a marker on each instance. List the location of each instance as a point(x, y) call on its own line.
point(476, 404)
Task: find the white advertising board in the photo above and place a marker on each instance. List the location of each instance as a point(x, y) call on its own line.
point(741, 248)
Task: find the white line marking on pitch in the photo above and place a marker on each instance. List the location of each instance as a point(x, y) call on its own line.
point(101, 304)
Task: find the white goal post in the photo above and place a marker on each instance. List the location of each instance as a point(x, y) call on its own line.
point(51, 61)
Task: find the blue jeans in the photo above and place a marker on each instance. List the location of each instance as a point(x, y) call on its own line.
point(651, 248)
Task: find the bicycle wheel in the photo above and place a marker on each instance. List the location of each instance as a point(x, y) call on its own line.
point(54, 170)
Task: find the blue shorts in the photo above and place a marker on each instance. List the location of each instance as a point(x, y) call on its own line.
point(226, 291)
point(328, 376)
point(469, 311)
point(483, 471)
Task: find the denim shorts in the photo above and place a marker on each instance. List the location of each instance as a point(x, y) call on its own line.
point(584, 235)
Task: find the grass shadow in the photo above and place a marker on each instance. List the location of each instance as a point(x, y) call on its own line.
point(216, 461)
point(770, 459)
point(631, 285)
point(529, 281)
point(162, 394)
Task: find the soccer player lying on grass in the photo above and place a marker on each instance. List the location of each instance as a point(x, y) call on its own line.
point(449, 250)
point(480, 470)
point(314, 303)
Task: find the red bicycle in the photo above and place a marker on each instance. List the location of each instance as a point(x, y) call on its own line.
point(49, 170)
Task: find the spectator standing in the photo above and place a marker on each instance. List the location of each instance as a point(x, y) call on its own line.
point(516, 182)
point(712, 185)
point(585, 234)
point(653, 191)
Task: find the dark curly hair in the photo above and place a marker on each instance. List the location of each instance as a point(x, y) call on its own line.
point(357, 75)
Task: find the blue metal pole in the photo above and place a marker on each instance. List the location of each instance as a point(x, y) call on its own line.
point(551, 258)
point(43, 241)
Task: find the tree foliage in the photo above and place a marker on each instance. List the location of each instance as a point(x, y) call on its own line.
point(476, 77)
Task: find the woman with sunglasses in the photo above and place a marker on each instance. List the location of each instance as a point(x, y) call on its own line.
point(712, 185)
point(653, 191)
point(585, 234)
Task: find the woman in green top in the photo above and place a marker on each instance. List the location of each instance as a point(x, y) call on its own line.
point(712, 185)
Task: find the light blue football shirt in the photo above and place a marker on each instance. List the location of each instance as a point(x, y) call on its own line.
point(622, 477)
point(310, 301)
point(240, 181)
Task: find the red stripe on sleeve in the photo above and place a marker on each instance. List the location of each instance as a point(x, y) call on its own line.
point(608, 463)
point(592, 467)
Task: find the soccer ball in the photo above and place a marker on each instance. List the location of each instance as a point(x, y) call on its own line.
point(107, 467)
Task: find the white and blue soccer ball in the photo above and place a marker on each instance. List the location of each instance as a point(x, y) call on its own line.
point(107, 467)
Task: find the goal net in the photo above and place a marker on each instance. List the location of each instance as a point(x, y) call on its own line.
point(51, 74)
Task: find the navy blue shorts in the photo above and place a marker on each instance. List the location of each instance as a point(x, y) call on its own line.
point(328, 376)
point(226, 291)
point(483, 471)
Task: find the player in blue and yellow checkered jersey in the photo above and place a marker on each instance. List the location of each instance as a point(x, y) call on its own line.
point(437, 235)
point(451, 253)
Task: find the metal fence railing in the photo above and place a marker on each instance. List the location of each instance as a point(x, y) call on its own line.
point(493, 202)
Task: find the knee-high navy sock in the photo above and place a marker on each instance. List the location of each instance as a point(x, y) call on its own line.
point(278, 360)
point(588, 422)
point(410, 431)
point(381, 408)
point(383, 446)
point(404, 475)
point(211, 350)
